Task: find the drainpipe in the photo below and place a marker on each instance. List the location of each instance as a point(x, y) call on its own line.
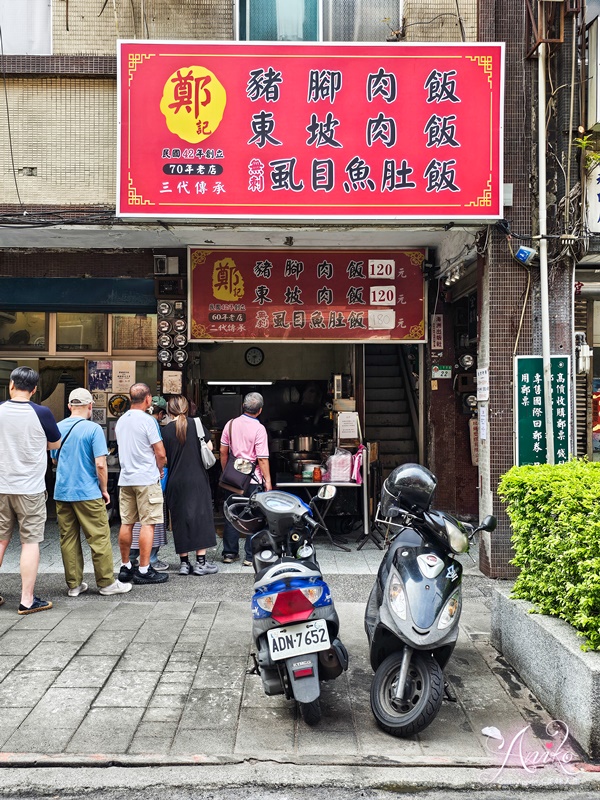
point(545, 308)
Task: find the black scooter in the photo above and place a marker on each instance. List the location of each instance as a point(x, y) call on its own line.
point(412, 614)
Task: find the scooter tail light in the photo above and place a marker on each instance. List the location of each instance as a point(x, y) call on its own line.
point(266, 602)
point(313, 593)
point(305, 672)
point(450, 612)
point(397, 597)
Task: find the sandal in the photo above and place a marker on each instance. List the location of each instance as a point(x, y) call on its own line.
point(37, 605)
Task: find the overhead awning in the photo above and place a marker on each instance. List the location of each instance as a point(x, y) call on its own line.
point(110, 295)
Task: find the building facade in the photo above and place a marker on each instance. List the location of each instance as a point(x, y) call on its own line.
point(79, 285)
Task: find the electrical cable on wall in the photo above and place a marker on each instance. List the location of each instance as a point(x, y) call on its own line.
point(8, 127)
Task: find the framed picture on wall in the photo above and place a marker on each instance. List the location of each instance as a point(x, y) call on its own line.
point(99, 375)
point(171, 382)
point(123, 376)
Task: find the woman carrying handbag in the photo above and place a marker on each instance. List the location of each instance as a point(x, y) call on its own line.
point(188, 490)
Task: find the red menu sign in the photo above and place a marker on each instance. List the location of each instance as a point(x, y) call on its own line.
point(274, 295)
point(338, 131)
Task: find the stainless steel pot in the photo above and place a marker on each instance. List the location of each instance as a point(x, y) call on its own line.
point(303, 442)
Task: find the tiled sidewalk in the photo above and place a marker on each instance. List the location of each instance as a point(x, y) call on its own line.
point(109, 678)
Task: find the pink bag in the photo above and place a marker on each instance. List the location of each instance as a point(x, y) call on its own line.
point(357, 460)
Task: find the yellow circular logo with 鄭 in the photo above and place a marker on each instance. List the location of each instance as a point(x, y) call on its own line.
point(193, 103)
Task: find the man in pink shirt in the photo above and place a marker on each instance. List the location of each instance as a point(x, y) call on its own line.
point(248, 440)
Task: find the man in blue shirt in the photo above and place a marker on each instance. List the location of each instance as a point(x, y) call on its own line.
point(81, 496)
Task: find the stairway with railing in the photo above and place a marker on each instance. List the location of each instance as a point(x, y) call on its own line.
point(390, 408)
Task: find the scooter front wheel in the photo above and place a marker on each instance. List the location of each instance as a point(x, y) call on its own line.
point(311, 712)
point(423, 694)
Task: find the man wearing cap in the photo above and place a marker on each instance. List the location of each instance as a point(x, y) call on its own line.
point(27, 432)
point(81, 496)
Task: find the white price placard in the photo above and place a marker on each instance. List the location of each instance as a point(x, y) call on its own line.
point(382, 319)
point(382, 268)
point(382, 296)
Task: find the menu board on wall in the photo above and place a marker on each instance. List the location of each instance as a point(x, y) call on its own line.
point(284, 295)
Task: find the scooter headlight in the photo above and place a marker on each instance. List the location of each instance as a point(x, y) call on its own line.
point(457, 538)
point(450, 612)
point(397, 597)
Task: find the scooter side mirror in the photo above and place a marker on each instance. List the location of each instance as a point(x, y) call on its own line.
point(327, 492)
point(489, 524)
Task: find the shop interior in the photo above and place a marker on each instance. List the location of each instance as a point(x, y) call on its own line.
point(304, 388)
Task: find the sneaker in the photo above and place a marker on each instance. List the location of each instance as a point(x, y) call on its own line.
point(1, 600)
point(160, 566)
point(230, 559)
point(83, 587)
point(37, 605)
point(116, 588)
point(207, 568)
point(126, 573)
point(247, 563)
point(185, 568)
point(149, 577)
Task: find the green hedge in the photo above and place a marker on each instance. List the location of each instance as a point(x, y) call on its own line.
point(555, 517)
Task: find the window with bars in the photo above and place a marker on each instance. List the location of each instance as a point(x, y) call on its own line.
point(25, 26)
point(318, 20)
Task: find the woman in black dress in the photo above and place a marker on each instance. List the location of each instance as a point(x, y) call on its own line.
point(188, 490)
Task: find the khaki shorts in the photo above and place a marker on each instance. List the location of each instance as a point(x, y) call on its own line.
point(29, 510)
point(142, 504)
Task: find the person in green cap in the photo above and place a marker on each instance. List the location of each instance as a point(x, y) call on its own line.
point(158, 410)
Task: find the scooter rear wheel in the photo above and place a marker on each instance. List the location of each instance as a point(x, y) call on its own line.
point(311, 712)
point(423, 694)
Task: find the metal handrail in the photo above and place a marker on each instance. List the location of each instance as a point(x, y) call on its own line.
point(410, 389)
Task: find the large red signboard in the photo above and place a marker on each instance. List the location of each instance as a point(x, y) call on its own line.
point(275, 295)
point(348, 131)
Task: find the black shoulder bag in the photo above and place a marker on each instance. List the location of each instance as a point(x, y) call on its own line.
point(238, 472)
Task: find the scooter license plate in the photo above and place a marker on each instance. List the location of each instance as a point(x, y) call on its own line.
point(296, 640)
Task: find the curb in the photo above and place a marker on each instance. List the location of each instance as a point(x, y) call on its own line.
point(268, 775)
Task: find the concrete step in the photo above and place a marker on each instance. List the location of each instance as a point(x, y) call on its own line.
point(379, 360)
point(381, 371)
point(386, 420)
point(390, 462)
point(376, 393)
point(383, 382)
point(384, 435)
point(381, 349)
point(386, 407)
point(396, 446)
